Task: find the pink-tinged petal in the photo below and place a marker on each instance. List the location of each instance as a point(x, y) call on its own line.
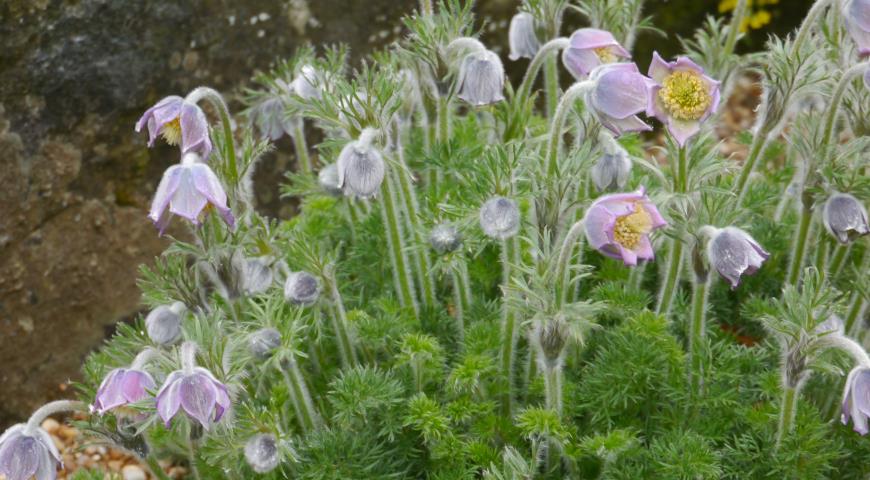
point(163, 111)
point(859, 14)
point(194, 130)
point(620, 92)
point(109, 395)
point(580, 62)
point(598, 225)
point(187, 201)
point(198, 396)
point(134, 385)
point(168, 399)
point(162, 223)
point(713, 88)
point(861, 392)
point(208, 185)
point(165, 191)
point(654, 107)
point(47, 468)
point(659, 69)
point(48, 443)
point(621, 125)
point(589, 38)
point(658, 221)
point(223, 403)
point(682, 131)
point(644, 249)
point(619, 51)
point(685, 64)
point(629, 257)
point(20, 457)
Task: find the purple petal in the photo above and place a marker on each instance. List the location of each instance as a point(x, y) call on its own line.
point(621, 91)
point(165, 191)
point(644, 249)
point(590, 38)
point(223, 402)
point(208, 185)
point(109, 394)
point(168, 399)
point(682, 130)
point(580, 62)
point(629, 257)
point(46, 469)
point(619, 126)
point(134, 385)
point(598, 225)
point(859, 13)
point(161, 113)
point(658, 68)
point(194, 130)
point(46, 441)
point(198, 397)
point(187, 201)
point(20, 457)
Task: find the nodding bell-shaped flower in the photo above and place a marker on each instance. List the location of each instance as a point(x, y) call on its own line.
point(845, 217)
point(254, 274)
point(361, 167)
point(733, 253)
point(618, 225)
point(589, 48)
point(327, 178)
point(481, 78)
point(163, 324)
point(187, 189)
point(617, 94)
point(263, 342)
point(122, 386)
point(522, 38)
point(301, 288)
point(500, 218)
point(857, 13)
point(27, 454)
point(193, 389)
point(179, 122)
point(683, 97)
point(269, 116)
point(611, 171)
point(306, 83)
point(261, 452)
point(856, 399)
point(445, 238)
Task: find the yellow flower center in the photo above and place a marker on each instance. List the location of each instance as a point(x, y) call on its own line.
point(685, 95)
point(629, 229)
point(605, 55)
point(171, 131)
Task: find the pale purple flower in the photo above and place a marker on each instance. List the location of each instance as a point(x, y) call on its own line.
point(122, 386)
point(522, 39)
point(619, 225)
point(187, 189)
point(845, 217)
point(856, 399)
point(178, 122)
point(327, 178)
point(857, 13)
point(481, 78)
point(683, 97)
point(733, 253)
point(589, 48)
point(270, 118)
point(611, 171)
point(197, 392)
point(361, 168)
point(617, 94)
point(26, 454)
point(306, 83)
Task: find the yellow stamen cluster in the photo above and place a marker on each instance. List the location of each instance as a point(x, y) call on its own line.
point(685, 95)
point(629, 229)
point(171, 132)
point(605, 55)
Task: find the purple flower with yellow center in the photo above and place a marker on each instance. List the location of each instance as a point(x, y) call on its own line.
point(734, 253)
point(187, 189)
point(178, 122)
point(683, 97)
point(122, 386)
point(856, 399)
point(589, 48)
point(619, 226)
point(617, 93)
point(193, 389)
point(857, 13)
point(28, 453)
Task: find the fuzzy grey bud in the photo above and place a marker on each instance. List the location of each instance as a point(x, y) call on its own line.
point(256, 276)
point(522, 38)
point(261, 452)
point(263, 342)
point(500, 218)
point(481, 78)
point(327, 178)
point(611, 171)
point(301, 288)
point(305, 83)
point(551, 338)
point(445, 238)
point(733, 253)
point(164, 323)
point(845, 217)
point(361, 168)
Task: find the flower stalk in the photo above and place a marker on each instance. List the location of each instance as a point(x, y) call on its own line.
point(300, 396)
point(509, 256)
point(802, 234)
point(220, 105)
point(404, 284)
point(561, 114)
point(346, 346)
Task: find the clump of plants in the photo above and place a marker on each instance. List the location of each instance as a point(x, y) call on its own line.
point(501, 281)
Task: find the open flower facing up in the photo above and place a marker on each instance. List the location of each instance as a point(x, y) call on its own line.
point(28, 453)
point(187, 189)
point(193, 389)
point(589, 48)
point(683, 97)
point(179, 122)
point(845, 218)
point(857, 13)
point(733, 253)
point(122, 386)
point(618, 225)
point(522, 39)
point(856, 399)
point(617, 93)
point(481, 78)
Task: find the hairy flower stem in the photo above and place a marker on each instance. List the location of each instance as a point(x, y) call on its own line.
point(787, 412)
point(426, 7)
point(837, 259)
point(808, 23)
point(563, 270)
point(696, 334)
point(551, 47)
point(553, 399)
point(631, 35)
point(49, 409)
point(799, 250)
point(461, 295)
point(837, 100)
point(509, 254)
point(346, 350)
point(672, 274)
point(299, 396)
point(301, 146)
point(734, 27)
point(404, 284)
point(551, 84)
point(561, 114)
point(220, 105)
point(759, 144)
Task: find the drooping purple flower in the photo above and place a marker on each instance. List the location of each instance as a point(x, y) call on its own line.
point(522, 39)
point(306, 84)
point(845, 217)
point(618, 225)
point(197, 392)
point(733, 253)
point(589, 48)
point(856, 399)
point(857, 13)
point(481, 78)
point(361, 168)
point(683, 97)
point(187, 189)
point(618, 93)
point(26, 454)
point(122, 386)
point(178, 122)
point(270, 118)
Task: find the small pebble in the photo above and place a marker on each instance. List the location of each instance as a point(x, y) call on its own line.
point(133, 472)
point(50, 425)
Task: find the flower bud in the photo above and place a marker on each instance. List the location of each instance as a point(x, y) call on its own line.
point(263, 342)
point(845, 217)
point(253, 275)
point(164, 323)
point(305, 84)
point(481, 78)
point(261, 452)
point(445, 238)
point(551, 338)
point(522, 38)
point(733, 253)
point(361, 168)
point(500, 218)
point(327, 178)
point(611, 171)
point(301, 288)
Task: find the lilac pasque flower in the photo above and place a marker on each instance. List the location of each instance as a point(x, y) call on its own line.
point(522, 39)
point(481, 78)
point(589, 48)
point(28, 453)
point(187, 189)
point(845, 217)
point(618, 225)
point(856, 399)
point(178, 122)
point(122, 386)
point(617, 93)
point(857, 13)
point(683, 97)
point(733, 253)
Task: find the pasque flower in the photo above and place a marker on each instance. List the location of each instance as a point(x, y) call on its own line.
point(327, 178)
point(193, 389)
point(445, 238)
point(683, 97)
point(306, 83)
point(856, 399)
point(845, 217)
point(270, 118)
point(163, 324)
point(857, 13)
point(178, 122)
point(187, 189)
point(618, 225)
point(611, 171)
point(263, 342)
point(500, 218)
point(27, 453)
point(481, 78)
point(589, 48)
point(522, 39)
point(733, 253)
point(301, 288)
point(361, 167)
point(122, 386)
point(617, 93)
